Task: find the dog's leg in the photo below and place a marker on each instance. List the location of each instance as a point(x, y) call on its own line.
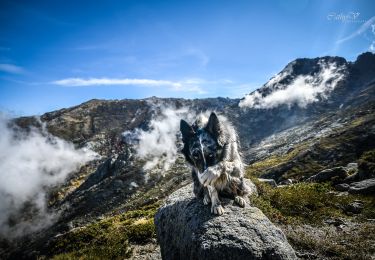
point(240, 201)
point(216, 207)
point(239, 189)
point(206, 196)
point(197, 186)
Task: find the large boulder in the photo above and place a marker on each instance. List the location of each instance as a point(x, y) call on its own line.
point(334, 174)
point(363, 187)
point(186, 229)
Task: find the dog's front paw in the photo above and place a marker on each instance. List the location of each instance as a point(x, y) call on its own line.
point(240, 201)
point(217, 210)
point(206, 199)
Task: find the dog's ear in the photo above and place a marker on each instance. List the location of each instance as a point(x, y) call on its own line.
point(186, 130)
point(213, 125)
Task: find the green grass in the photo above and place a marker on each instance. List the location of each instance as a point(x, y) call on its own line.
point(309, 203)
point(260, 167)
point(300, 210)
point(353, 242)
point(110, 238)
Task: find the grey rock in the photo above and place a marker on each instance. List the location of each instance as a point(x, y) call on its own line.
point(102, 172)
point(286, 182)
point(351, 178)
point(342, 187)
point(336, 173)
point(352, 167)
point(355, 207)
point(363, 187)
point(334, 221)
point(271, 182)
point(186, 229)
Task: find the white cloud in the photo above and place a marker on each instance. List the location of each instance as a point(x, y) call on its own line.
point(372, 46)
point(303, 90)
point(10, 68)
point(31, 163)
point(75, 82)
point(158, 146)
point(185, 85)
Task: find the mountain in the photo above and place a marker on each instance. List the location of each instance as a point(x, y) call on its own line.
point(313, 115)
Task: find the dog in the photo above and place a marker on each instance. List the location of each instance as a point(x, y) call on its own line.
point(211, 147)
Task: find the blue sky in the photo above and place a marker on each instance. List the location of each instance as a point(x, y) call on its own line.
point(56, 54)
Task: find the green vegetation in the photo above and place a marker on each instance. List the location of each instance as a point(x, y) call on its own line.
point(59, 193)
point(119, 236)
point(306, 203)
point(366, 163)
point(301, 210)
point(344, 145)
point(351, 242)
point(260, 167)
point(110, 238)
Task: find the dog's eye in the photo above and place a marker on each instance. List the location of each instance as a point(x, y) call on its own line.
point(211, 155)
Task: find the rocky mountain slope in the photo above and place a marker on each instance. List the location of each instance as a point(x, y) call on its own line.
point(314, 115)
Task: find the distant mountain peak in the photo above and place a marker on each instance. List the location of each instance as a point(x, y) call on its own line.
point(301, 82)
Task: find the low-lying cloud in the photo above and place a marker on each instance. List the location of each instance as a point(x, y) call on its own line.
point(158, 146)
point(30, 164)
point(303, 90)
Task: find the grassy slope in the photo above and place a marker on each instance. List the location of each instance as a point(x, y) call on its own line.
point(110, 238)
point(302, 210)
point(131, 225)
point(344, 145)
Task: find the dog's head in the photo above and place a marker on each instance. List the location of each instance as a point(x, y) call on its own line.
point(201, 146)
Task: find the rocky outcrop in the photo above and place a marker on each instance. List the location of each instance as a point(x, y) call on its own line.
point(271, 182)
point(342, 187)
point(334, 174)
point(355, 207)
point(186, 229)
point(363, 187)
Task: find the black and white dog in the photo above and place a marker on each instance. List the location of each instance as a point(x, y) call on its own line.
point(211, 148)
